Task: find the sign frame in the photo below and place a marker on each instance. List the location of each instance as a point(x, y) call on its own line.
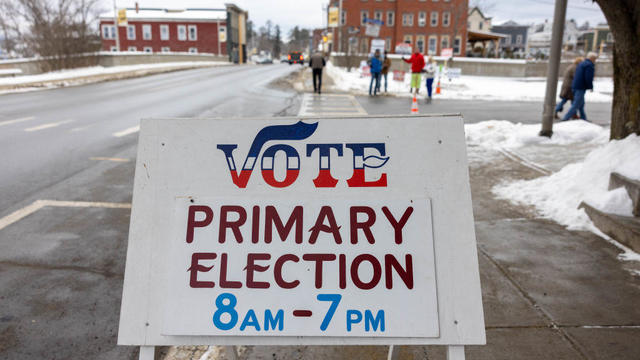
point(458, 283)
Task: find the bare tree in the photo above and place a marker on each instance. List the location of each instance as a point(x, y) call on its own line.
point(623, 17)
point(56, 30)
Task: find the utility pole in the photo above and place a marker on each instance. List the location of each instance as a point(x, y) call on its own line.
point(557, 31)
point(339, 27)
point(115, 25)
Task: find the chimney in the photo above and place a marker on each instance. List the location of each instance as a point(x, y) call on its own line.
point(137, 7)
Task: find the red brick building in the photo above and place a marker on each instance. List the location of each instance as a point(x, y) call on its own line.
point(429, 25)
point(211, 31)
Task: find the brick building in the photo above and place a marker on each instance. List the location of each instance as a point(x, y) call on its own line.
point(429, 25)
point(211, 31)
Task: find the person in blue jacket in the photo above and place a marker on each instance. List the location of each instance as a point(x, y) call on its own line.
point(375, 63)
point(582, 81)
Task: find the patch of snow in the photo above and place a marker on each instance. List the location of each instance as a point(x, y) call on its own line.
point(498, 134)
point(466, 87)
point(69, 74)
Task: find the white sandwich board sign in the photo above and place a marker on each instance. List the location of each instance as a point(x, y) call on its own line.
point(283, 231)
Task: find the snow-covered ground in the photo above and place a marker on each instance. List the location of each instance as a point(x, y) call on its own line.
point(557, 196)
point(468, 87)
point(72, 75)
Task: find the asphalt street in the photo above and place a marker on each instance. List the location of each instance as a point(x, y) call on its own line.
point(67, 173)
point(65, 188)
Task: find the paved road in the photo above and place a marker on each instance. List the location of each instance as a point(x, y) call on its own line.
point(47, 136)
point(62, 261)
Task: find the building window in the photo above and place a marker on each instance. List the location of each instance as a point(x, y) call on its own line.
point(147, 49)
point(132, 48)
point(343, 17)
point(507, 40)
point(387, 44)
point(456, 45)
point(378, 15)
point(407, 39)
point(108, 32)
point(146, 32)
point(364, 15)
point(434, 18)
point(193, 33)
point(609, 37)
point(182, 32)
point(444, 42)
point(165, 49)
point(407, 19)
point(363, 47)
point(422, 18)
point(420, 43)
point(390, 18)
point(519, 39)
point(131, 32)
point(480, 25)
point(446, 18)
point(164, 32)
point(433, 44)
point(114, 49)
point(193, 50)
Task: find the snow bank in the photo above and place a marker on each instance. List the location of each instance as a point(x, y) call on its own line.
point(497, 134)
point(70, 74)
point(468, 87)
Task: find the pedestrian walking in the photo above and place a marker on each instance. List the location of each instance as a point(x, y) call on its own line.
point(386, 65)
point(375, 63)
point(582, 81)
point(316, 63)
point(566, 93)
point(417, 64)
point(430, 74)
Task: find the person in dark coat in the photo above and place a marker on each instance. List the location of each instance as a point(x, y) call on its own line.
point(565, 92)
point(316, 63)
point(582, 81)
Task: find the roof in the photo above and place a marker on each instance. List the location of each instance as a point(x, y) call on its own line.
point(475, 8)
point(484, 35)
point(512, 23)
point(171, 14)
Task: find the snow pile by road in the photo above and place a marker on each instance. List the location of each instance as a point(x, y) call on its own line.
point(467, 87)
point(558, 195)
point(70, 74)
point(497, 134)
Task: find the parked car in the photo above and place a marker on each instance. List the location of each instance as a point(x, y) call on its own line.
point(264, 60)
point(295, 57)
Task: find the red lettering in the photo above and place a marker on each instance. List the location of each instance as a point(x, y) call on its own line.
point(405, 274)
point(289, 178)
point(196, 267)
point(342, 271)
point(377, 271)
point(277, 271)
point(255, 222)
point(319, 259)
point(224, 283)
point(233, 225)
point(325, 212)
point(192, 223)
point(398, 225)
point(365, 226)
point(272, 218)
point(251, 267)
point(358, 180)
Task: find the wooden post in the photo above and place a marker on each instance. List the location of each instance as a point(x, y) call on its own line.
point(455, 352)
point(394, 353)
point(147, 353)
point(232, 352)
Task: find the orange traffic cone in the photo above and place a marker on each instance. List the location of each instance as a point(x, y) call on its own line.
point(414, 105)
point(438, 87)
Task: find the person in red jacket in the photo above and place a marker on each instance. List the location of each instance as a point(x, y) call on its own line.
point(417, 64)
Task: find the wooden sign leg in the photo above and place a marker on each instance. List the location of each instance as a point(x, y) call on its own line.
point(455, 352)
point(232, 352)
point(147, 353)
point(394, 353)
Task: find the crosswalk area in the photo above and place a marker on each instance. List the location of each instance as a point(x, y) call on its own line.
point(330, 105)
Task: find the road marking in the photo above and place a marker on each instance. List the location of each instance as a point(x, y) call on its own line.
point(8, 122)
point(80, 128)
point(100, 158)
point(128, 131)
point(39, 204)
point(47, 126)
point(330, 105)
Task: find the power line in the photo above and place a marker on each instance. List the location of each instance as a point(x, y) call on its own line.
point(569, 6)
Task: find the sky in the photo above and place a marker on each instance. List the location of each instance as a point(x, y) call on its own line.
point(310, 14)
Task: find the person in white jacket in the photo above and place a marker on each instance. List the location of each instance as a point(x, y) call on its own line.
point(430, 70)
